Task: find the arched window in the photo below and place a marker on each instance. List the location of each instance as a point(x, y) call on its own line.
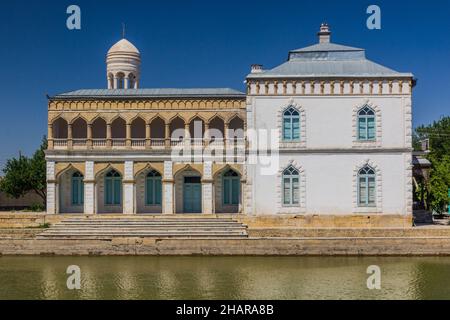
point(120, 81)
point(366, 187)
point(291, 124)
point(113, 188)
point(131, 81)
point(291, 184)
point(77, 189)
point(153, 188)
point(231, 188)
point(366, 124)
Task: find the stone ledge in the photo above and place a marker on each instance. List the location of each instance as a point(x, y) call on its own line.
point(389, 246)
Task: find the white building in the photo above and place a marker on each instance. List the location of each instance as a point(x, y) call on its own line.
point(345, 133)
point(343, 147)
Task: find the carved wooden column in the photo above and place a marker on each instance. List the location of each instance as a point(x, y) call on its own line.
point(148, 137)
point(167, 135)
point(50, 136)
point(69, 136)
point(187, 135)
point(206, 136)
point(128, 136)
point(89, 136)
point(226, 134)
point(108, 135)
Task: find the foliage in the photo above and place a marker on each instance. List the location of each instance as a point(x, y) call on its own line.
point(22, 175)
point(37, 207)
point(438, 134)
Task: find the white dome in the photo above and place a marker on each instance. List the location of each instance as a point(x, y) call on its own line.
point(123, 46)
point(123, 63)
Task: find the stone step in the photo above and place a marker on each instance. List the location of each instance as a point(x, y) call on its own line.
point(150, 223)
point(87, 228)
point(157, 236)
point(149, 218)
point(143, 235)
point(144, 229)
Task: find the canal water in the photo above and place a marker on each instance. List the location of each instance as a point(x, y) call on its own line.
point(225, 278)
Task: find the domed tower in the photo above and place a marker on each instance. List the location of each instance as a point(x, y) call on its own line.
point(123, 63)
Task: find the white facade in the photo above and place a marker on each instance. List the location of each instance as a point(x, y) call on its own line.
point(328, 153)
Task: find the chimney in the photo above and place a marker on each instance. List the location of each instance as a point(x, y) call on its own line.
point(324, 33)
point(257, 68)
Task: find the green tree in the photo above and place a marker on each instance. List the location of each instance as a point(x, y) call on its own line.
point(439, 184)
point(22, 175)
point(38, 171)
point(438, 134)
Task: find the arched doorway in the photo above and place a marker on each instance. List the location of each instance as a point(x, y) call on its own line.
point(149, 191)
point(227, 187)
point(188, 191)
point(71, 191)
point(109, 192)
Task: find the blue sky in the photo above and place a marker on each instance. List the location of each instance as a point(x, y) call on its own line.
point(202, 44)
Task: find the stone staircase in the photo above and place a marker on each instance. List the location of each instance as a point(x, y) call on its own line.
point(145, 227)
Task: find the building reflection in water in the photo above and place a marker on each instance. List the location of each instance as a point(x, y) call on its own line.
point(224, 278)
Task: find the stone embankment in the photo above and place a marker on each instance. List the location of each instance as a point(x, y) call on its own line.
point(149, 236)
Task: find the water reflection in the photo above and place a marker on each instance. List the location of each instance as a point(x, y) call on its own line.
point(224, 278)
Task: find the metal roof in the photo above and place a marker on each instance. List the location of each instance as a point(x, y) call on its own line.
point(328, 60)
point(151, 93)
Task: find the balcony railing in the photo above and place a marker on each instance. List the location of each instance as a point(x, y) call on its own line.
point(60, 143)
point(158, 142)
point(197, 142)
point(176, 142)
point(119, 142)
point(155, 143)
point(99, 143)
point(79, 142)
point(138, 143)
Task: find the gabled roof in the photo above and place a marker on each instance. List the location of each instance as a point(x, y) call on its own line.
point(152, 93)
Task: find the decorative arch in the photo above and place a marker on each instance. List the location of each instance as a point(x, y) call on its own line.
point(377, 143)
point(62, 168)
point(146, 168)
point(177, 115)
point(138, 128)
point(118, 128)
point(301, 206)
point(177, 123)
point(197, 115)
point(379, 188)
point(220, 169)
point(217, 115)
point(234, 117)
point(78, 117)
point(157, 127)
point(99, 127)
point(301, 143)
point(116, 117)
point(137, 116)
point(60, 128)
point(100, 168)
point(187, 167)
point(79, 128)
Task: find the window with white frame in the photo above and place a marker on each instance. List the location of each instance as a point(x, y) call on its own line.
point(366, 187)
point(291, 186)
point(291, 124)
point(366, 124)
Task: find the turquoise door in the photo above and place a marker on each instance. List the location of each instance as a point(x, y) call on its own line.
point(192, 195)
